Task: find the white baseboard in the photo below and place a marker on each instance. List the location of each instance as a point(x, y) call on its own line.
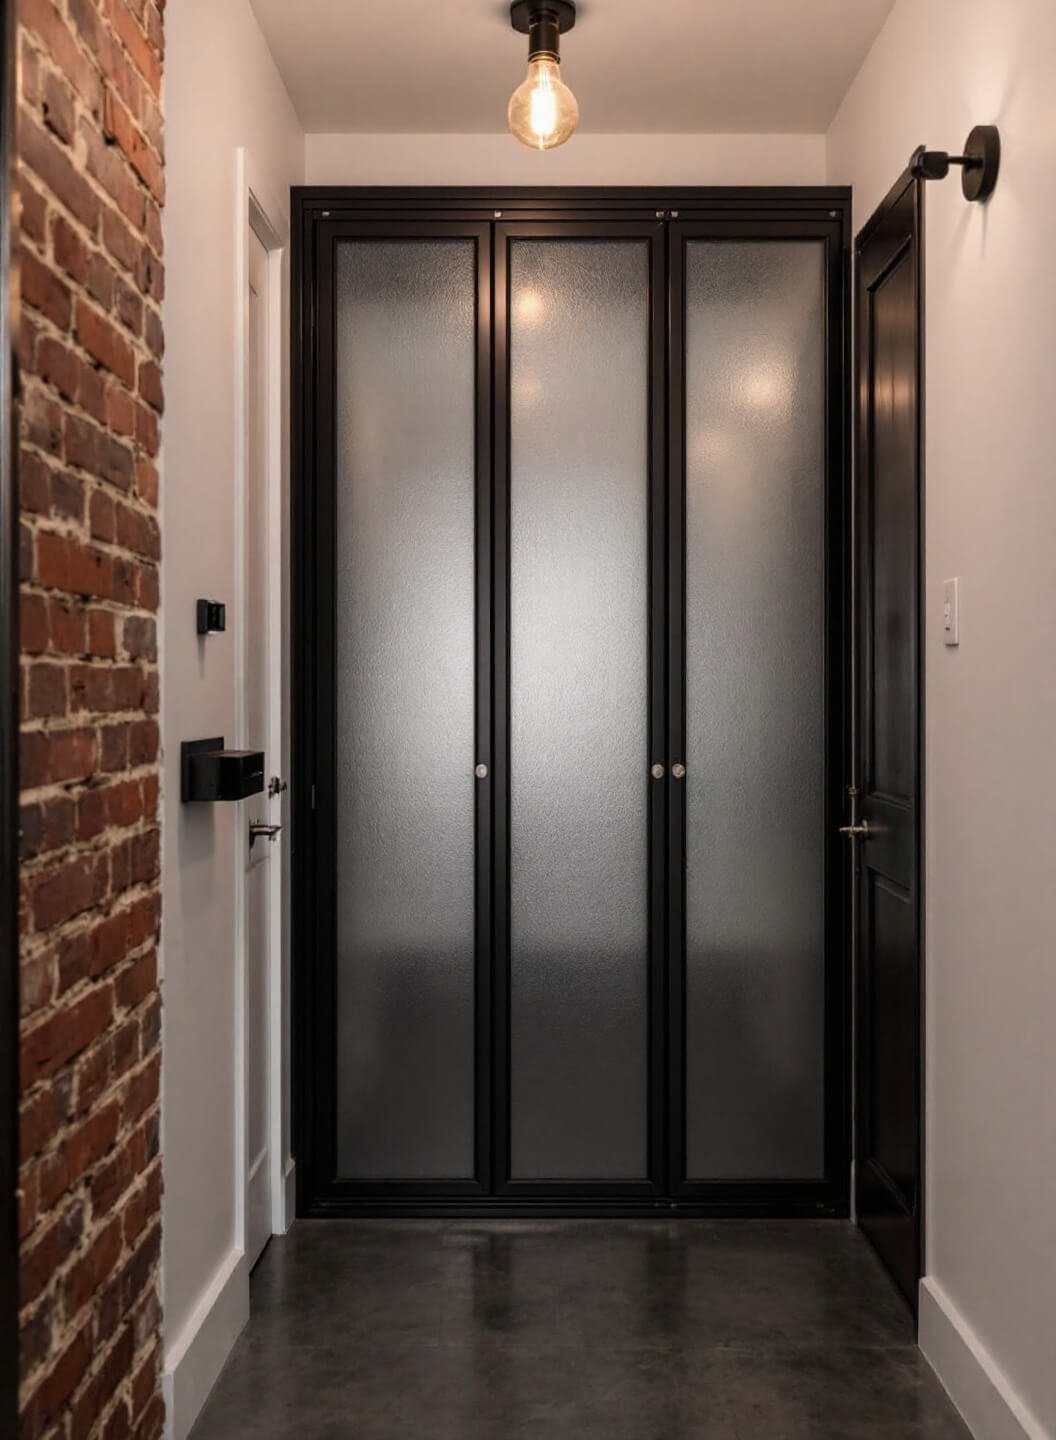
point(195, 1357)
point(975, 1382)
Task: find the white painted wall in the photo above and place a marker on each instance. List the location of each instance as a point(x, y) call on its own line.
point(988, 1319)
point(586, 160)
point(222, 92)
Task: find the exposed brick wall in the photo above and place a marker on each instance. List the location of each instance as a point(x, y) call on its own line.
point(91, 188)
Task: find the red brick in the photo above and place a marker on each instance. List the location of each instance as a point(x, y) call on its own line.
point(150, 385)
point(66, 627)
point(123, 130)
point(67, 495)
point(57, 1039)
point(50, 759)
point(45, 291)
point(57, 1386)
point(58, 107)
point(34, 210)
point(67, 564)
point(28, 72)
point(33, 624)
point(46, 690)
point(46, 825)
point(104, 343)
point(101, 517)
point(75, 959)
point(91, 1077)
point(135, 42)
point(71, 253)
point(37, 984)
point(42, 420)
point(40, 1259)
point(121, 411)
point(143, 1205)
point(133, 985)
point(107, 165)
point(143, 742)
point(101, 633)
point(52, 164)
point(34, 480)
point(93, 1400)
point(153, 333)
point(145, 1380)
point(41, 17)
point(94, 1268)
point(58, 365)
point(58, 894)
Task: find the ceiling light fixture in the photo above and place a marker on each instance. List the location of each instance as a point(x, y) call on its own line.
point(543, 111)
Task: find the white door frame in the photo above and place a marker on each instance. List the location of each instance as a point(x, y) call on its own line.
point(266, 216)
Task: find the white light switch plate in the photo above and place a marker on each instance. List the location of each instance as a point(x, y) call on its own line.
point(951, 612)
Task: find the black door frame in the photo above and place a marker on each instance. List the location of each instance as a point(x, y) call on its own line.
point(897, 225)
point(9, 647)
point(806, 211)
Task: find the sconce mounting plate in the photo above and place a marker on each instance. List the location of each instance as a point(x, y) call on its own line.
point(983, 147)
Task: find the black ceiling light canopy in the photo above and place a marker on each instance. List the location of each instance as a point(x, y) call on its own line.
point(543, 21)
point(543, 111)
point(979, 164)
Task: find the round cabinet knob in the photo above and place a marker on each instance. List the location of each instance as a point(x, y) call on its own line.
point(481, 772)
point(678, 771)
point(657, 772)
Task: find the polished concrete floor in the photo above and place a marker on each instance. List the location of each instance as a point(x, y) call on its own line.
point(727, 1330)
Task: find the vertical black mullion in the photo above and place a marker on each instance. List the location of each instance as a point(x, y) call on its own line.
point(302, 528)
point(658, 665)
point(324, 695)
point(484, 755)
point(676, 708)
point(837, 720)
point(500, 600)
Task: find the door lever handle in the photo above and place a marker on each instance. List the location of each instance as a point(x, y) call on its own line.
point(857, 832)
point(259, 831)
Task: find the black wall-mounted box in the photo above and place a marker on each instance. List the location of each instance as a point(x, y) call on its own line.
point(209, 772)
point(210, 617)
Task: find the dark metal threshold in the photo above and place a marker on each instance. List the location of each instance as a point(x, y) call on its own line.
point(513, 1208)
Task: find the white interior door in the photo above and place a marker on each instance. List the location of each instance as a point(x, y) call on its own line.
point(262, 860)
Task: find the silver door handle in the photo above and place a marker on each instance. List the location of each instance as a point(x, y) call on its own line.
point(259, 831)
point(857, 832)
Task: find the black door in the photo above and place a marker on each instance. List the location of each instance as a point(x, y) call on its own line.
point(888, 509)
point(571, 566)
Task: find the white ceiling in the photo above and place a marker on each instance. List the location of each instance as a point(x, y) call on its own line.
point(661, 66)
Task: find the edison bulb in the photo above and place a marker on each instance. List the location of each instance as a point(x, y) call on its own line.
point(543, 111)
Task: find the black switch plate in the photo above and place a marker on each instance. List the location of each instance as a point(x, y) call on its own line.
point(212, 617)
point(209, 772)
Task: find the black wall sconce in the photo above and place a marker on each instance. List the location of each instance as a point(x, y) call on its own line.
point(210, 617)
point(979, 164)
point(209, 773)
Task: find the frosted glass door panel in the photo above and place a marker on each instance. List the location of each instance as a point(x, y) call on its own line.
point(579, 390)
point(755, 610)
point(405, 408)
